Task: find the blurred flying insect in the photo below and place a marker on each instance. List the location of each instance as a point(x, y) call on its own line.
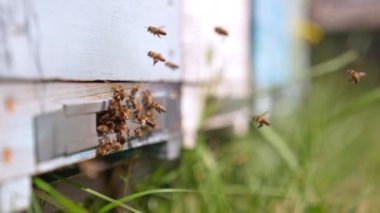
point(156, 57)
point(355, 76)
point(157, 31)
point(171, 65)
point(261, 120)
point(221, 31)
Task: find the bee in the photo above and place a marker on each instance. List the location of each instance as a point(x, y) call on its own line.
point(118, 92)
point(122, 139)
point(355, 76)
point(141, 119)
point(261, 120)
point(101, 151)
point(111, 126)
point(147, 98)
point(104, 118)
point(135, 89)
point(157, 31)
point(104, 147)
point(171, 65)
point(103, 141)
point(123, 130)
point(102, 129)
point(221, 31)
point(114, 106)
point(116, 146)
point(145, 121)
point(158, 107)
point(138, 132)
point(133, 101)
point(151, 123)
point(156, 57)
point(126, 113)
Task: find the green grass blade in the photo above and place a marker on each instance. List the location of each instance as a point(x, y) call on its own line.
point(334, 64)
point(280, 145)
point(356, 106)
point(111, 200)
point(109, 206)
point(63, 202)
point(95, 193)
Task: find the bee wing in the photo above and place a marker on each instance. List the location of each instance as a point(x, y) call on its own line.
point(362, 74)
point(162, 27)
point(264, 113)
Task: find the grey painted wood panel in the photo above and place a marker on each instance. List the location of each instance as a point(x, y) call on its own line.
point(88, 39)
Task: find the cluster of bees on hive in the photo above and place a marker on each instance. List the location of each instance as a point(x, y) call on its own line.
point(126, 107)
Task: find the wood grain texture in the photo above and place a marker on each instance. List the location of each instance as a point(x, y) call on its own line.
point(88, 40)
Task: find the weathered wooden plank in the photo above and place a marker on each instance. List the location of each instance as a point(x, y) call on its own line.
point(88, 40)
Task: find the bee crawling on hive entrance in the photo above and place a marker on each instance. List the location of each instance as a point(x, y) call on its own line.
point(261, 120)
point(157, 31)
point(127, 109)
point(355, 76)
point(171, 65)
point(156, 57)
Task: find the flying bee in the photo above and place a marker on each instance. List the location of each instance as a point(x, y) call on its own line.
point(355, 76)
point(138, 132)
point(221, 31)
point(261, 120)
point(157, 31)
point(158, 107)
point(171, 65)
point(102, 129)
point(156, 57)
